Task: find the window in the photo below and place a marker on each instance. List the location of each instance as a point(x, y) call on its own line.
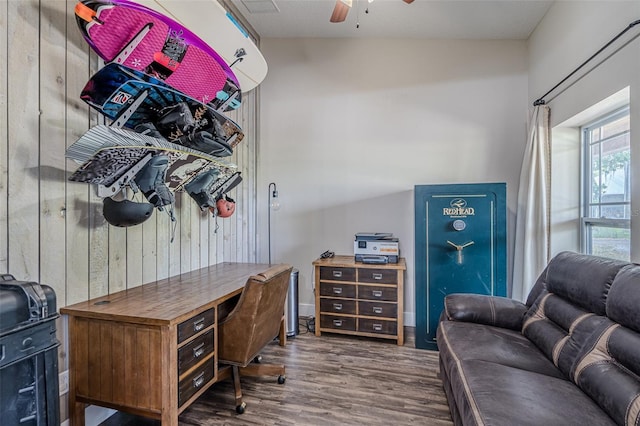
point(606, 185)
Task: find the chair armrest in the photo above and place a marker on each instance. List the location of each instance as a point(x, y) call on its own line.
point(490, 310)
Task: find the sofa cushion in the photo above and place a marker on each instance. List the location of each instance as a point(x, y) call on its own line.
point(623, 303)
point(559, 329)
point(460, 341)
point(609, 372)
point(493, 394)
point(582, 279)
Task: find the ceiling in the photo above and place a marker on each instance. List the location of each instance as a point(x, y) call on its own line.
point(424, 19)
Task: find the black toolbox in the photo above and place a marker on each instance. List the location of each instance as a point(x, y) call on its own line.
point(28, 354)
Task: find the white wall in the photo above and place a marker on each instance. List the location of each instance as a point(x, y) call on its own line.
point(348, 127)
point(571, 32)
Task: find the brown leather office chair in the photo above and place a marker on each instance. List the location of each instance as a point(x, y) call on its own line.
point(254, 322)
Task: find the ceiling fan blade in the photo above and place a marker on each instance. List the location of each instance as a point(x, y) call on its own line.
point(340, 10)
point(408, 1)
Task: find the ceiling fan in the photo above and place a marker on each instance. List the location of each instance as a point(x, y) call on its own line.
point(342, 8)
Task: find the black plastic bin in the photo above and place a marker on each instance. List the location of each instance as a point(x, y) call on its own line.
point(28, 354)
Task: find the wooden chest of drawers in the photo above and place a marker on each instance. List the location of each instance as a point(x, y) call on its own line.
point(359, 299)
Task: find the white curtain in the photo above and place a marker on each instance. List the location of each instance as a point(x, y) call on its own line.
point(532, 216)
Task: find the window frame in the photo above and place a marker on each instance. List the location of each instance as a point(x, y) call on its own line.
point(586, 221)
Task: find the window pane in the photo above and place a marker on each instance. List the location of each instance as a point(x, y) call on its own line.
point(617, 126)
point(614, 174)
point(611, 242)
point(607, 183)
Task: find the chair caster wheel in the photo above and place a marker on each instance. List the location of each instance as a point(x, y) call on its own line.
point(258, 359)
point(240, 408)
point(281, 379)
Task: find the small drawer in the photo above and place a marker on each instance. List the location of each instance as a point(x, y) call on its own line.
point(377, 326)
point(337, 322)
point(370, 292)
point(380, 276)
point(195, 351)
point(195, 324)
point(339, 306)
point(337, 274)
point(378, 309)
point(338, 290)
point(194, 382)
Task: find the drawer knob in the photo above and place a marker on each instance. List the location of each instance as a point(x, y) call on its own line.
point(337, 323)
point(337, 306)
point(198, 380)
point(377, 276)
point(337, 274)
point(377, 310)
point(198, 324)
point(377, 293)
point(377, 327)
point(198, 350)
point(337, 290)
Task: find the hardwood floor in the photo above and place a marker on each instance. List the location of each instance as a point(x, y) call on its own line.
point(331, 380)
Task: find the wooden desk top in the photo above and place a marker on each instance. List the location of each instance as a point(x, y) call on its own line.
point(171, 300)
point(349, 262)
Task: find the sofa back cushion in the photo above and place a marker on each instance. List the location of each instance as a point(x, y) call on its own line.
point(582, 279)
point(609, 369)
point(623, 303)
point(570, 307)
point(609, 372)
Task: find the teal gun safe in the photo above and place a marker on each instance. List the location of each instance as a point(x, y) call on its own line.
point(460, 247)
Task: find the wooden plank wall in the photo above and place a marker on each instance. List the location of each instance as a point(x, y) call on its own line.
point(52, 230)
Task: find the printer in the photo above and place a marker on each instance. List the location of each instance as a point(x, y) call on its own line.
point(376, 247)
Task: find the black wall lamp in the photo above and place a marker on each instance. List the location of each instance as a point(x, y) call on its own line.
point(274, 204)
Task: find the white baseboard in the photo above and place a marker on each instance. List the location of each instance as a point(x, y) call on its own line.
point(409, 319)
point(306, 310)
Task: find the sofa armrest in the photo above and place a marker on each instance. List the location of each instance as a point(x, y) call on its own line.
point(490, 310)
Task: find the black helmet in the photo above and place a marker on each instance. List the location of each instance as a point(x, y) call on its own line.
point(125, 213)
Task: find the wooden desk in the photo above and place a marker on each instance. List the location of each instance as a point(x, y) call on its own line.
point(151, 350)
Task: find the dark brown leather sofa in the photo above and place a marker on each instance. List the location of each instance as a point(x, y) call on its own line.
point(569, 356)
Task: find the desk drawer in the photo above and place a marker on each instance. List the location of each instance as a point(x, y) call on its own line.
point(379, 276)
point(378, 309)
point(370, 292)
point(337, 322)
point(339, 306)
point(194, 382)
point(377, 326)
point(337, 274)
point(195, 324)
point(338, 290)
point(196, 350)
